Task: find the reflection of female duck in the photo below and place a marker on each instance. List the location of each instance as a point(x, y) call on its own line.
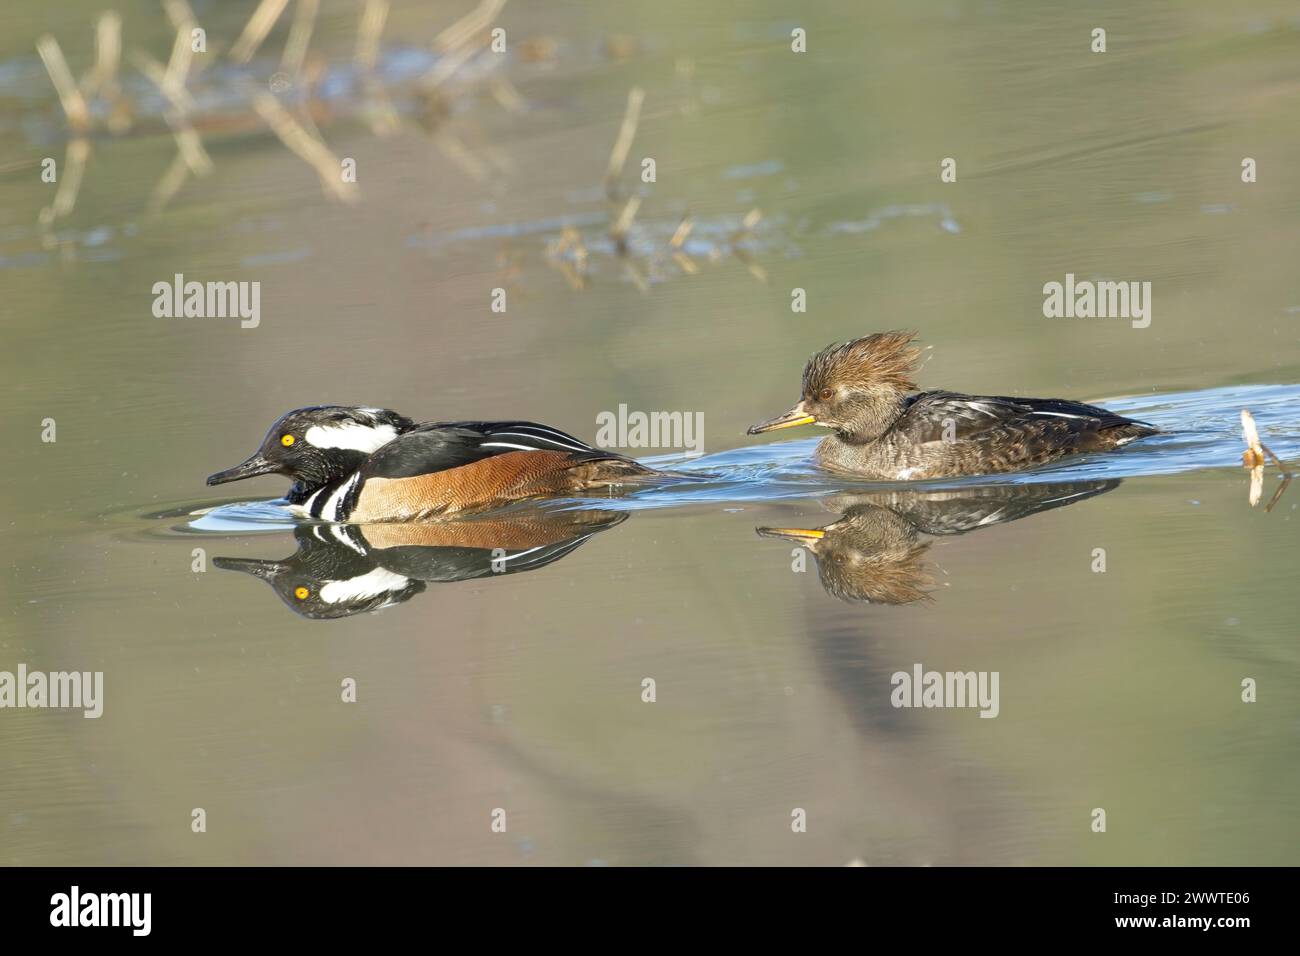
point(341, 570)
point(874, 552)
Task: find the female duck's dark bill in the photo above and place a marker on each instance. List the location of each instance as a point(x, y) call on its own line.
point(257, 465)
point(795, 416)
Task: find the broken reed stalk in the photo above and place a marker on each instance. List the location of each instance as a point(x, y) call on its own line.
point(373, 17)
point(256, 29)
point(176, 93)
point(78, 115)
point(384, 120)
point(506, 94)
point(108, 55)
point(623, 142)
point(170, 183)
point(451, 146)
point(70, 98)
point(623, 224)
point(468, 27)
point(311, 150)
point(448, 64)
point(1254, 459)
point(178, 64)
point(102, 79)
point(294, 56)
point(180, 104)
point(747, 226)
point(682, 232)
point(179, 14)
point(74, 166)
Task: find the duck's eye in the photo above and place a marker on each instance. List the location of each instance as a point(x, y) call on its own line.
point(826, 394)
point(301, 593)
point(286, 440)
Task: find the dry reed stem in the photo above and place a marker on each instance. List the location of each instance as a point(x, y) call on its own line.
point(619, 230)
point(170, 183)
point(172, 85)
point(70, 98)
point(311, 150)
point(469, 26)
point(626, 133)
point(74, 166)
point(384, 120)
point(305, 13)
point(256, 29)
point(455, 149)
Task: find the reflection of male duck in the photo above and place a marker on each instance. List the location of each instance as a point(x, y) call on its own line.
point(874, 552)
point(341, 570)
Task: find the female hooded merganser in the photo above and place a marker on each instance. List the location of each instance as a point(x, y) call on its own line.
point(886, 430)
point(875, 551)
point(363, 465)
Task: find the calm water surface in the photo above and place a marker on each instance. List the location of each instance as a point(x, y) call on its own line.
point(522, 690)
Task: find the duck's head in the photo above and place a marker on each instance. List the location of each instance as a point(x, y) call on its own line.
point(854, 388)
point(870, 554)
point(333, 574)
point(313, 446)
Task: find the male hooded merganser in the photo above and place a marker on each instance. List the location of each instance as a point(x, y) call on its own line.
point(885, 429)
point(344, 569)
point(363, 465)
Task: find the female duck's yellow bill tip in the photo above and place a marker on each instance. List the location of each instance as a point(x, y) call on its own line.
point(799, 534)
point(795, 416)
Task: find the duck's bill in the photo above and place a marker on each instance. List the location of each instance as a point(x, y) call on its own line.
point(266, 570)
point(795, 416)
point(257, 465)
point(794, 534)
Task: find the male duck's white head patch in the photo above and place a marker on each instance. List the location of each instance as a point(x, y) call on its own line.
point(353, 436)
point(369, 585)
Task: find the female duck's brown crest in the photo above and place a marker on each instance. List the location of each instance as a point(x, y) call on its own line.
point(884, 358)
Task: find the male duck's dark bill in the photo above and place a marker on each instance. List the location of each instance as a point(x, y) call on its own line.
point(795, 416)
point(257, 465)
point(266, 570)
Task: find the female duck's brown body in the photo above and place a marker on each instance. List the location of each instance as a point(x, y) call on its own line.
point(886, 430)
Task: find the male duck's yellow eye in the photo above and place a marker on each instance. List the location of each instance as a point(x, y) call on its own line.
point(301, 593)
point(286, 440)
